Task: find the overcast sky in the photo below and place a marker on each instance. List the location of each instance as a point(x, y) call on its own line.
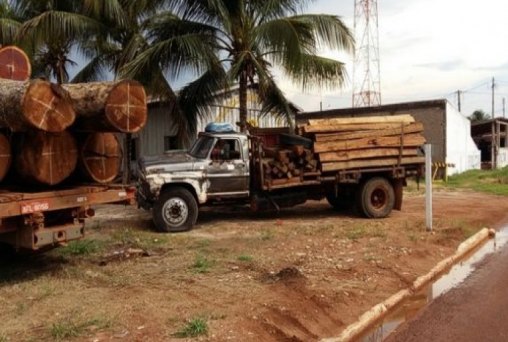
point(429, 49)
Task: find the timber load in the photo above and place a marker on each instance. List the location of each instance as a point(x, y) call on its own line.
point(14, 64)
point(36, 104)
point(365, 142)
point(109, 106)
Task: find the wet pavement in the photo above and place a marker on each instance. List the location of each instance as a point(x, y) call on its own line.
point(464, 305)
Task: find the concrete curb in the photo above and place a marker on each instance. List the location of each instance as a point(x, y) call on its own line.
point(376, 313)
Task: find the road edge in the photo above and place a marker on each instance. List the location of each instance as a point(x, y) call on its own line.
point(377, 312)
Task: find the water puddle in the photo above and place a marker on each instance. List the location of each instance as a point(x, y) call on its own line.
point(456, 275)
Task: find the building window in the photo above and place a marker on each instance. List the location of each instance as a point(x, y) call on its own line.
point(170, 142)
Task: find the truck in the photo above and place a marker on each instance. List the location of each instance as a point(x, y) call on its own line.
point(177, 184)
point(40, 220)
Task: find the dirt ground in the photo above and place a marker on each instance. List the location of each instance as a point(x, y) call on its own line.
point(298, 275)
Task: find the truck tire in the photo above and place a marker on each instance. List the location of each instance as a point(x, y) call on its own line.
point(176, 210)
point(376, 198)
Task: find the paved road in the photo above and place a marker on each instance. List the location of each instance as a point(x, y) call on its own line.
point(477, 310)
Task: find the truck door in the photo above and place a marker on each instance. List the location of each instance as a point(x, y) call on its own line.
point(228, 171)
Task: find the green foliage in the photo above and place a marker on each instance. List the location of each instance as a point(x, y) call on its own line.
point(68, 328)
point(194, 328)
point(81, 247)
point(201, 264)
point(245, 258)
point(489, 181)
point(479, 115)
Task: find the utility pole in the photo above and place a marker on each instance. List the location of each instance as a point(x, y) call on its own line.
point(504, 107)
point(458, 99)
point(493, 86)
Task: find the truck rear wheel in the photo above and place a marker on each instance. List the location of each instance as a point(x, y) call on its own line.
point(175, 211)
point(376, 198)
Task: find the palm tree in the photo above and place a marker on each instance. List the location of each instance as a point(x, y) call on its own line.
point(52, 28)
point(10, 23)
point(227, 42)
point(479, 115)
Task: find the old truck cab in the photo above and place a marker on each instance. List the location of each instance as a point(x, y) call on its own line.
point(173, 185)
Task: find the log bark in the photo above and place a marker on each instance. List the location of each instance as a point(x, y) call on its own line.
point(46, 158)
point(5, 156)
point(14, 64)
point(109, 106)
point(34, 104)
point(100, 157)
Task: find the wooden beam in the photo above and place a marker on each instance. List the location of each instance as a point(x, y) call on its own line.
point(413, 139)
point(364, 154)
point(406, 118)
point(336, 166)
point(407, 128)
point(332, 128)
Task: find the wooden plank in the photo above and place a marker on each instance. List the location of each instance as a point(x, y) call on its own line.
point(332, 128)
point(411, 128)
point(364, 154)
point(407, 118)
point(413, 139)
point(355, 164)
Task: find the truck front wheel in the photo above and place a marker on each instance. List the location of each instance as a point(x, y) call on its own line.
point(175, 211)
point(376, 198)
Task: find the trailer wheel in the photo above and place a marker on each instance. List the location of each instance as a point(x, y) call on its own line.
point(376, 198)
point(175, 211)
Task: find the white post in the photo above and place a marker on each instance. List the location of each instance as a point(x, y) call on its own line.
point(428, 186)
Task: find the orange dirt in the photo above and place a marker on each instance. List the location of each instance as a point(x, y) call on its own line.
point(299, 275)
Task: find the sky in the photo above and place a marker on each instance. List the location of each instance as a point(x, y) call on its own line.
point(429, 49)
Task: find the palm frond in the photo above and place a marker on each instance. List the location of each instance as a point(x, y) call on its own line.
point(319, 72)
point(274, 102)
point(93, 71)
point(8, 31)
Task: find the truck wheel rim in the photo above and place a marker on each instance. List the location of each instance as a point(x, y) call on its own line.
point(378, 198)
point(175, 212)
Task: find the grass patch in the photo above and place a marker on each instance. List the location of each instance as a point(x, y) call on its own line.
point(136, 239)
point(65, 329)
point(194, 328)
point(266, 235)
point(80, 247)
point(201, 264)
point(245, 258)
point(489, 181)
point(3, 338)
point(356, 233)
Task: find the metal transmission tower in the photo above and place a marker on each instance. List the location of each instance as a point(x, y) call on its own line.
point(366, 75)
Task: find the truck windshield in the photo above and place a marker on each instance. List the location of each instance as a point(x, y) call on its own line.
point(201, 147)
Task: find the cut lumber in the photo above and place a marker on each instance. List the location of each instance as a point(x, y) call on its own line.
point(46, 158)
point(14, 64)
point(5, 156)
point(406, 118)
point(407, 128)
point(408, 140)
point(364, 154)
point(109, 106)
point(100, 157)
point(329, 128)
point(34, 104)
point(355, 164)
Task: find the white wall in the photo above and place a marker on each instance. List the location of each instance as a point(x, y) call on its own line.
point(502, 157)
point(460, 147)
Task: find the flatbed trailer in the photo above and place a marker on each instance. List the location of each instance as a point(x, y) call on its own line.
point(44, 219)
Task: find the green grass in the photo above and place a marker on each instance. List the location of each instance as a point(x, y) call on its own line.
point(3, 338)
point(489, 181)
point(68, 328)
point(201, 264)
point(245, 258)
point(194, 328)
point(80, 247)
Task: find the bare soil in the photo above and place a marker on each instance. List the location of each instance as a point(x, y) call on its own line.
point(298, 275)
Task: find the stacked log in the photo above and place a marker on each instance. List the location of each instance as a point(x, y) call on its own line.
point(43, 121)
point(288, 164)
point(352, 143)
point(109, 106)
point(14, 64)
point(46, 158)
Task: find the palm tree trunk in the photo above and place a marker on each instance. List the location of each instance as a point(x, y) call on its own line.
point(243, 102)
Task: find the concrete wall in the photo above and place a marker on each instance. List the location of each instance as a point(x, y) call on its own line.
point(460, 147)
point(158, 126)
